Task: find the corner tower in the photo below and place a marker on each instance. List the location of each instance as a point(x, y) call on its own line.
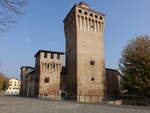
point(84, 29)
point(48, 67)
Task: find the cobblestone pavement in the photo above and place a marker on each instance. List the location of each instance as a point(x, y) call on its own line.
point(28, 105)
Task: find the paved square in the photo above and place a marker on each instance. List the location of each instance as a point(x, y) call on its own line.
point(29, 105)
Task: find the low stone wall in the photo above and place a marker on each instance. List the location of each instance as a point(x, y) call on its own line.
point(117, 102)
point(90, 99)
point(98, 99)
point(51, 97)
point(2, 92)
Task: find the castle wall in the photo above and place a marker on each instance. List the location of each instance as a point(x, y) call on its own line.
point(71, 54)
point(24, 79)
point(112, 77)
point(49, 76)
point(84, 76)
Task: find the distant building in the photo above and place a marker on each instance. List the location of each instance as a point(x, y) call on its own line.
point(14, 87)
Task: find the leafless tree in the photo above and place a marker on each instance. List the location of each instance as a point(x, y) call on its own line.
point(10, 10)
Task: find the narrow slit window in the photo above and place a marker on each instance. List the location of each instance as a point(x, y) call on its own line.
point(86, 24)
point(82, 22)
point(52, 56)
point(53, 66)
point(96, 26)
point(90, 23)
point(45, 55)
point(70, 51)
point(58, 56)
point(79, 21)
point(48, 65)
point(92, 26)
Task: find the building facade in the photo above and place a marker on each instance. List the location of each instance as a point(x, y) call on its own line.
point(84, 62)
point(14, 87)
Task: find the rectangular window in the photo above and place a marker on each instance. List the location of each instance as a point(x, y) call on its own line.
point(58, 56)
point(46, 80)
point(37, 80)
point(48, 66)
point(70, 51)
point(45, 55)
point(92, 62)
point(52, 56)
point(92, 79)
point(53, 66)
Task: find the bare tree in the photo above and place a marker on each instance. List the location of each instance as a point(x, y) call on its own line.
point(10, 10)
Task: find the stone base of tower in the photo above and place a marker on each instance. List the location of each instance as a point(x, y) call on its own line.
point(50, 97)
point(90, 98)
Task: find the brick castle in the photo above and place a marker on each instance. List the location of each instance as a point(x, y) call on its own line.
point(84, 77)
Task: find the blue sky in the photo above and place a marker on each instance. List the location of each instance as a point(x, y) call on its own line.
point(42, 28)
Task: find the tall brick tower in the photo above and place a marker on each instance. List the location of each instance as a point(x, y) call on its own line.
point(83, 29)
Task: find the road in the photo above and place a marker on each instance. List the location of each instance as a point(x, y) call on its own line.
point(10, 104)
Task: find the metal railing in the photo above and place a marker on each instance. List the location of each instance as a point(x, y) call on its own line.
point(109, 99)
point(135, 100)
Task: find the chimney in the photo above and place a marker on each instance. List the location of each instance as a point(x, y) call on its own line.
point(83, 4)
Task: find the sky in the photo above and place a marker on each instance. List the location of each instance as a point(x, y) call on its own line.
point(42, 28)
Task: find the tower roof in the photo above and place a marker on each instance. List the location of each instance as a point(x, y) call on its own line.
point(86, 7)
point(83, 4)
